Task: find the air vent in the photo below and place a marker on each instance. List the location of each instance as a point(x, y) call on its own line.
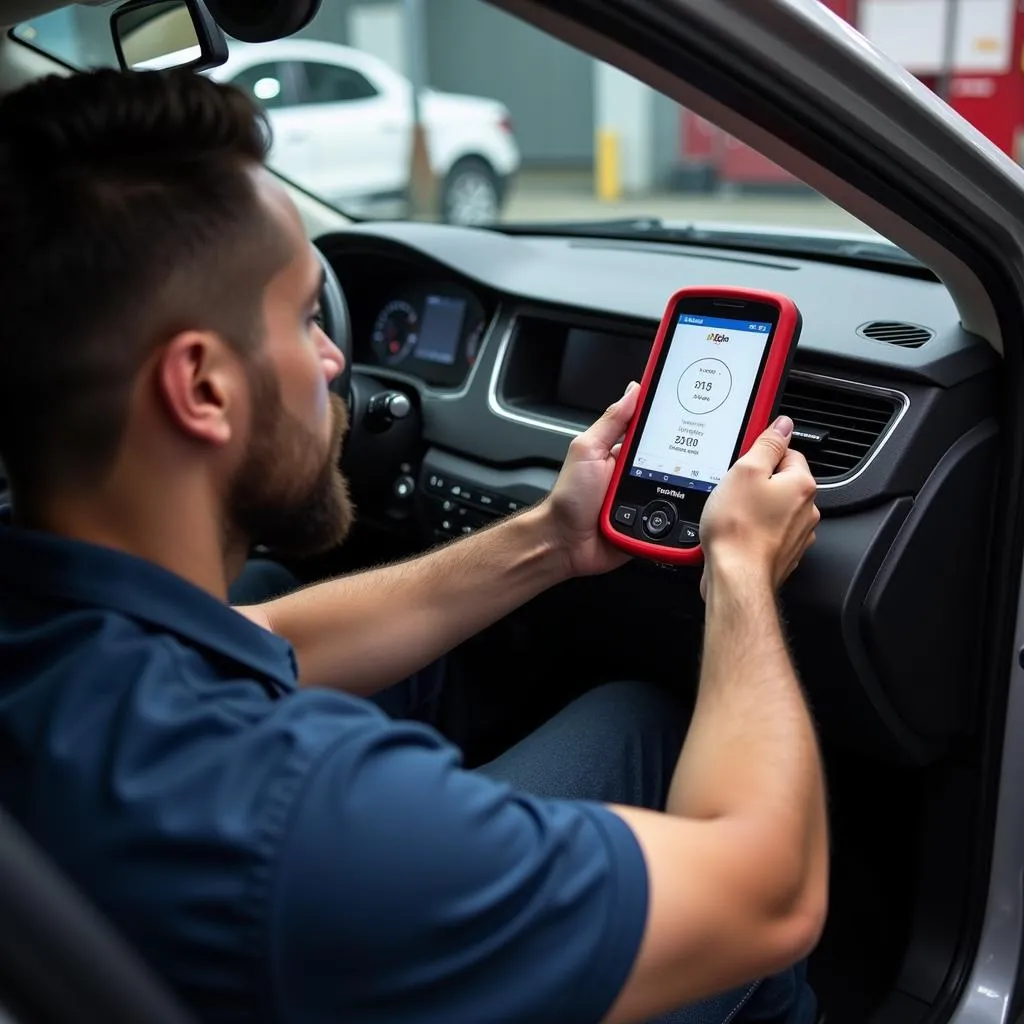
point(895, 332)
point(838, 425)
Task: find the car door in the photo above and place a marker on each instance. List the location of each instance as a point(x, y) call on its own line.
point(790, 79)
point(358, 131)
point(273, 86)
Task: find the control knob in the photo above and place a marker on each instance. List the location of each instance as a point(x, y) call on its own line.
point(384, 408)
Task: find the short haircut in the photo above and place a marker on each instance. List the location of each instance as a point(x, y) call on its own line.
point(128, 213)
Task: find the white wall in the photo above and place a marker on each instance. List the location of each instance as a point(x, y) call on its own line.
point(913, 33)
point(379, 29)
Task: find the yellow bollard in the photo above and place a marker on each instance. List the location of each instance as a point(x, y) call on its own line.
point(607, 177)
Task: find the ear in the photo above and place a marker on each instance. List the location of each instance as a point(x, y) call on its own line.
point(199, 379)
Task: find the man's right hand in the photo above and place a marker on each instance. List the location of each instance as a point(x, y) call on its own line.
point(737, 867)
point(761, 519)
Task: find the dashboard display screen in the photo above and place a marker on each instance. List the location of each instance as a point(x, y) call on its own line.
point(700, 403)
point(441, 329)
point(596, 366)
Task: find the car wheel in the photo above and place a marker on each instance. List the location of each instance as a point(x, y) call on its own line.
point(471, 196)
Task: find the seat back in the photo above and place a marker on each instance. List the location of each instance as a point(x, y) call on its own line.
point(60, 961)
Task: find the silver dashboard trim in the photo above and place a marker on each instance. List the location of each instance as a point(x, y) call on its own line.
point(497, 407)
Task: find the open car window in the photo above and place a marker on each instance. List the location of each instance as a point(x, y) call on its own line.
point(532, 133)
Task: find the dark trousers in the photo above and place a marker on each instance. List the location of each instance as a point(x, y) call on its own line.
point(618, 743)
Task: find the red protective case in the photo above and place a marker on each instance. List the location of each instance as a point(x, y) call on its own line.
point(763, 410)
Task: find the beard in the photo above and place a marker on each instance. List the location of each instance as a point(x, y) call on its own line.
point(289, 493)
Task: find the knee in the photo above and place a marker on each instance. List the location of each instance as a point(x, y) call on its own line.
point(632, 699)
point(637, 715)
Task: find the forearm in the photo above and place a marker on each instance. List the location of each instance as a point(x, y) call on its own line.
point(751, 753)
point(368, 630)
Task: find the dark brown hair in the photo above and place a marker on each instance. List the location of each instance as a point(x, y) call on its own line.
point(127, 214)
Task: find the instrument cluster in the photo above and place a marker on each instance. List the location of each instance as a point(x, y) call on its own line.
point(431, 331)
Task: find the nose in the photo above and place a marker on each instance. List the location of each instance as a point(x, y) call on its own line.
point(330, 356)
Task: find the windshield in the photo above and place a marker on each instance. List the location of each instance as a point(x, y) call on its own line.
point(525, 131)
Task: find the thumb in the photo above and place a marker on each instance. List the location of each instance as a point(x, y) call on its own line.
point(769, 449)
point(612, 425)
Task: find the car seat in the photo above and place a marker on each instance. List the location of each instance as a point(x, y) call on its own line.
point(60, 961)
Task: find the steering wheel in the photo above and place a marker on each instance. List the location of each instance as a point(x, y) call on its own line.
point(336, 325)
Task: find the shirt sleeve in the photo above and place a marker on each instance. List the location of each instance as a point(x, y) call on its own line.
point(410, 889)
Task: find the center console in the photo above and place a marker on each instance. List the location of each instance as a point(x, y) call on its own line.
point(456, 497)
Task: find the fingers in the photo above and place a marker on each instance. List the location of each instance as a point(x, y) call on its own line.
point(612, 425)
point(768, 451)
point(793, 461)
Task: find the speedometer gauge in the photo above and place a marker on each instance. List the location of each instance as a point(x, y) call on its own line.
point(395, 332)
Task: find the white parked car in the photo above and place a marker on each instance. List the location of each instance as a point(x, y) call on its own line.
point(342, 122)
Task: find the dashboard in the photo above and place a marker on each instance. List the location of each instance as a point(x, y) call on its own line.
point(428, 328)
point(507, 346)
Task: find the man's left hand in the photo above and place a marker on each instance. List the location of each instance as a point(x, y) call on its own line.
point(574, 505)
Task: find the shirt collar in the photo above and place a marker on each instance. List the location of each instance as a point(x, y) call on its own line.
point(89, 574)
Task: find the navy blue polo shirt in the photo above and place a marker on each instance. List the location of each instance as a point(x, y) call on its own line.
point(282, 854)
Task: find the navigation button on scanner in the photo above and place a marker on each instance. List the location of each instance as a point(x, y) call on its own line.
point(689, 535)
point(658, 519)
point(626, 515)
point(658, 522)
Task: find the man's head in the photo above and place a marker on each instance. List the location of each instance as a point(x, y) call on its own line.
point(158, 302)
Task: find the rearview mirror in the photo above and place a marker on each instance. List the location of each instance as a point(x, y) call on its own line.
point(151, 35)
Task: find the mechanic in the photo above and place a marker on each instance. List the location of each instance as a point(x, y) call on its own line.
point(275, 845)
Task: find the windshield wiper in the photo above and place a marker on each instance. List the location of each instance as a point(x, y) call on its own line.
point(837, 245)
point(624, 227)
point(769, 241)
